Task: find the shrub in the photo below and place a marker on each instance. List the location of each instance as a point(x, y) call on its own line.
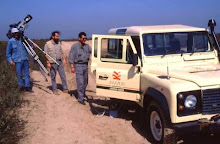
point(10, 100)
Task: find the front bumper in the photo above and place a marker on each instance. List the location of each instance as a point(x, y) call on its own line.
point(201, 125)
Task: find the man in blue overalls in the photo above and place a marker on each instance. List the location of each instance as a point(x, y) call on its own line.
point(17, 55)
point(79, 58)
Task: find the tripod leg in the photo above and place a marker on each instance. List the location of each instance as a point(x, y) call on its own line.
point(42, 67)
point(35, 57)
point(43, 74)
point(43, 51)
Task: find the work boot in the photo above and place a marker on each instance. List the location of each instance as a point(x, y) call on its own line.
point(86, 98)
point(29, 89)
point(82, 102)
point(66, 91)
point(56, 93)
point(22, 89)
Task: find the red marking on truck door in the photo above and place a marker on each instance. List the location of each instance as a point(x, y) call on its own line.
point(116, 75)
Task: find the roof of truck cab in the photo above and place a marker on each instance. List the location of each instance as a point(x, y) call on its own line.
point(136, 30)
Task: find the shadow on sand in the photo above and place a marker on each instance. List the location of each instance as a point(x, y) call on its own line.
point(59, 86)
point(132, 112)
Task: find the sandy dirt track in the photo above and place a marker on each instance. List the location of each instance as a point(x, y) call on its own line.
point(53, 119)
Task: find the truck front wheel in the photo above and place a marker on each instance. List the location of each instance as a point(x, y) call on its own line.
point(158, 128)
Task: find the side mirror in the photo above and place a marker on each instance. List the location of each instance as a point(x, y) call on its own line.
point(135, 59)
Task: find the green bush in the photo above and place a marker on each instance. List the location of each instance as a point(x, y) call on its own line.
point(10, 100)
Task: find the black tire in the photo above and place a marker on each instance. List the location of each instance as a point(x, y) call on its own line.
point(158, 127)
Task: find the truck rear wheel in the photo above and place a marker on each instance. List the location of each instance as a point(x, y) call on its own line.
point(158, 127)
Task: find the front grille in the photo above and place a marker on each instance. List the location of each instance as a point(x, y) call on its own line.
point(211, 101)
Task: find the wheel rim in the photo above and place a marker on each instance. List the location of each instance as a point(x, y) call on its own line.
point(156, 125)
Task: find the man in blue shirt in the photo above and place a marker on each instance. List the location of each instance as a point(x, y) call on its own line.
point(16, 54)
point(79, 58)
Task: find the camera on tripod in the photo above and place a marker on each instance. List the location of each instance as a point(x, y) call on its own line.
point(21, 26)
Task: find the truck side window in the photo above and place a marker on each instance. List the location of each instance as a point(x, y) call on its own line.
point(130, 53)
point(136, 41)
point(111, 48)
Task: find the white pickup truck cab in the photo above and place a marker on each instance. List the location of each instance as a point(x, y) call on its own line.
point(171, 71)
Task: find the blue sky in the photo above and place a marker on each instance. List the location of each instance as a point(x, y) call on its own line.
point(97, 16)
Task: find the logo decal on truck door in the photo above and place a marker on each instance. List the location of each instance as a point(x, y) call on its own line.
point(116, 75)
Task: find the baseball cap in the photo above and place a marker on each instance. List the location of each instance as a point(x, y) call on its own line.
point(14, 30)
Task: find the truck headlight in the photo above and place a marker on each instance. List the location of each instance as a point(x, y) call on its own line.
point(190, 102)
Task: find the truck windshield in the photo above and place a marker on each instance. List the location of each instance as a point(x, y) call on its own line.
point(175, 43)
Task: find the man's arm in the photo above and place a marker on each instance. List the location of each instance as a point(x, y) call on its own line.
point(72, 67)
point(63, 58)
point(72, 59)
point(90, 49)
point(62, 55)
point(8, 53)
point(47, 58)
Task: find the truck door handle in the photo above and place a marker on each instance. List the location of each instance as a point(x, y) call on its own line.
point(103, 77)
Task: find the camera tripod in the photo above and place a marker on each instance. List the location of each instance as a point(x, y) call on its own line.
point(21, 26)
point(26, 42)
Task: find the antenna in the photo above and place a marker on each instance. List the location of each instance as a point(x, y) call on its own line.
point(168, 77)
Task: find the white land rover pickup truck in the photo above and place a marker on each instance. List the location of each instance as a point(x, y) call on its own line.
point(171, 71)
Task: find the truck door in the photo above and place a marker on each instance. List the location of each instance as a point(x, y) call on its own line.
point(94, 54)
point(116, 77)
